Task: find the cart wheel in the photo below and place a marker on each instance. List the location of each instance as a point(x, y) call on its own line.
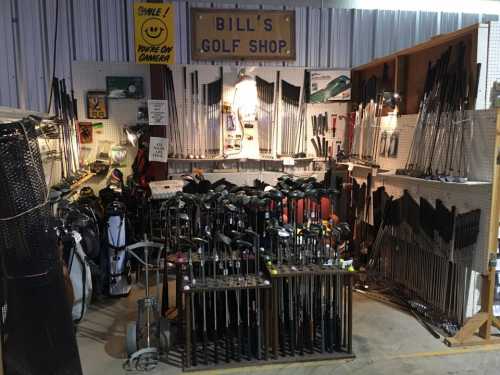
point(131, 338)
point(164, 335)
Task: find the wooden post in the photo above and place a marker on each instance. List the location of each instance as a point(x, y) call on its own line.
point(489, 279)
point(158, 170)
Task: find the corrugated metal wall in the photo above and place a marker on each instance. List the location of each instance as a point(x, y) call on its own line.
point(103, 30)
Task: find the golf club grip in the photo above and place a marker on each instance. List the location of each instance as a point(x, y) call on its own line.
point(316, 149)
point(228, 345)
point(205, 346)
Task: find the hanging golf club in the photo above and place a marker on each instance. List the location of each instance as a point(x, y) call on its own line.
point(64, 105)
point(213, 115)
point(320, 134)
point(440, 147)
point(265, 92)
point(428, 252)
point(290, 98)
point(173, 132)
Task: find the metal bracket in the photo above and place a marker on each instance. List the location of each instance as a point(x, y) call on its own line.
point(492, 262)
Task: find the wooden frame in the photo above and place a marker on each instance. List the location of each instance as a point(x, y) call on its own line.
point(97, 105)
point(408, 67)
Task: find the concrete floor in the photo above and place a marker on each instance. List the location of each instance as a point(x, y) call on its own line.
point(385, 340)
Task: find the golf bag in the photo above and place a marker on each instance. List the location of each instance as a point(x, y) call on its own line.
point(79, 273)
point(116, 241)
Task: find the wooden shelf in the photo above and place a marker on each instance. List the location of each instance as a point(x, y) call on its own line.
point(82, 181)
point(407, 68)
point(241, 160)
point(468, 184)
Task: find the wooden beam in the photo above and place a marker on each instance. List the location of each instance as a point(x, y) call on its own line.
point(489, 279)
point(468, 330)
point(474, 340)
point(433, 42)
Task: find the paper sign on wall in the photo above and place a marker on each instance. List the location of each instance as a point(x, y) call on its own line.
point(154, 33)
point(158, 149)
point(158, 112)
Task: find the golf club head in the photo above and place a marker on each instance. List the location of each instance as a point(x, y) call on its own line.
point(295, 194)
point(220, 188)
point(231, 207)
point(251, 232)
point(276, 195)
point(183, 216)
point(199, 240)
point(283, 233)
point(223, 238)
point(333, 192)
point(245, 200)
point(235, 234)
point(241, 244)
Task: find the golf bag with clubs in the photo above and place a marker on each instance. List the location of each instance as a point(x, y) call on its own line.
point(118, 264)
point(79, 273)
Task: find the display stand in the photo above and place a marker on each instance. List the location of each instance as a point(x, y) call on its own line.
point(232, 351)
point(334, 321)
point(403, 72)
point(335, 281)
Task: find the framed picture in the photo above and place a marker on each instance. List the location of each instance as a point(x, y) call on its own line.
point(329, 85)
point(125, 87)
point(97, 105)
point(85, 132)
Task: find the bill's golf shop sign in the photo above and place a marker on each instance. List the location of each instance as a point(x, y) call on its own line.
point(237, 34)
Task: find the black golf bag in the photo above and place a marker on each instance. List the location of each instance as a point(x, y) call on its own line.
point(38, 333)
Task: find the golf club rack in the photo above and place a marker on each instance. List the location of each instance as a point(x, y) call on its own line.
point(261, 274)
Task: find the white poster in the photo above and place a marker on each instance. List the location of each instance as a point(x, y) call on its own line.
point(158, 112)
point(158, 149)
point(330, 85)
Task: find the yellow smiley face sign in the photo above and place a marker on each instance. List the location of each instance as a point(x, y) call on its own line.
point(154, 33)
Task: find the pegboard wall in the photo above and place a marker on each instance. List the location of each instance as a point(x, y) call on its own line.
point(483, 138)
point(404, 127)
point(210, 73)
point(91, 76)
point(493, 73)
point(338, 108)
